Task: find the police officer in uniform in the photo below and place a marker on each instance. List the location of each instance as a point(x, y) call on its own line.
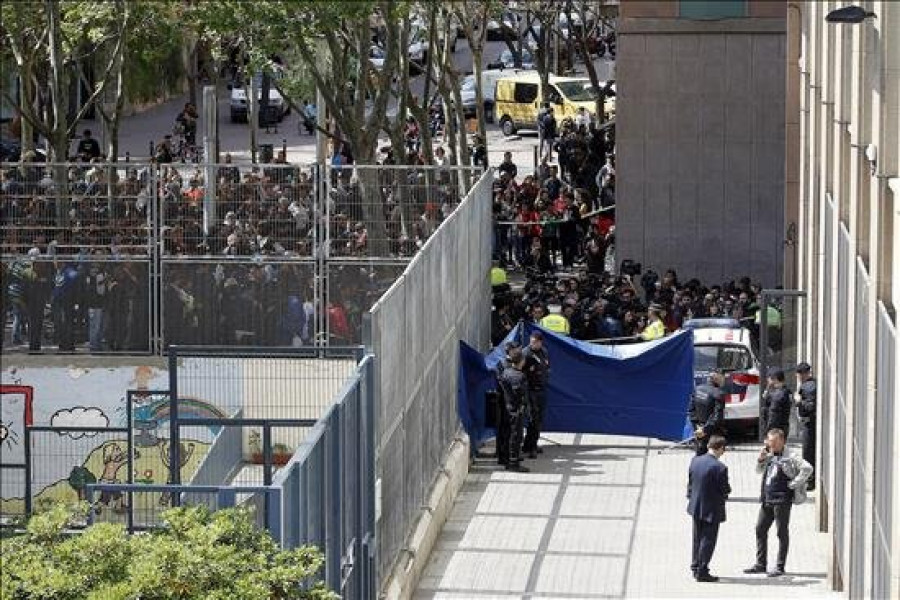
point(515, 394)
point(502, 439)
point(537, 370)
point(777, 403)
point(806, 408)
point(656, 328)
point(555, 321)
point(707, 410)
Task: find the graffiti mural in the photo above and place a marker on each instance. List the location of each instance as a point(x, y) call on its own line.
point(63, 463)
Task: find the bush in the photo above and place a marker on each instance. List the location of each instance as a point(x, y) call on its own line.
point(198, 554)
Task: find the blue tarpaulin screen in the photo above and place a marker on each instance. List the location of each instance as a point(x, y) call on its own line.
point(635, 389)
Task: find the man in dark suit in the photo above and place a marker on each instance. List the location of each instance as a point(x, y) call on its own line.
point(708, 490)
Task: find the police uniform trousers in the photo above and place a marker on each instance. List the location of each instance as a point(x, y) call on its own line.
point(808, 432)
point(538, 404)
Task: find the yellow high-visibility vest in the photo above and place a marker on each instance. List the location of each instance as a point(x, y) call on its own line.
point(498, 276)
point(653, 331)
point(556, 323)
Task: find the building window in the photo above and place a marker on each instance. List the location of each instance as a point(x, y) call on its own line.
point(712, 9)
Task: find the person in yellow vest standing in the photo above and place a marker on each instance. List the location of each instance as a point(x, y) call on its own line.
point(555, 321)
point(656, 328)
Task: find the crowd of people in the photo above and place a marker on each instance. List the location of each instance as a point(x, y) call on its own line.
point(273, 209)
point(76, 269)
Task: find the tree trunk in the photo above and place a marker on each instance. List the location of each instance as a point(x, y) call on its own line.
point(26, 104)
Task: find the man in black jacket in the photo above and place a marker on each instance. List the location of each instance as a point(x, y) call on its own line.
point(806, 407)
point(708, 489)
point(777, 403)
point(537, 371)
point(707, 411)
point(515, 396)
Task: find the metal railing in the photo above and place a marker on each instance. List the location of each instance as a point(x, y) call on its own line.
point(885, 448)
point(131, 257)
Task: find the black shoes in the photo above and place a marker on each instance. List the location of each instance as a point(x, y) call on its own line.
point(779, 572)
point(706, 578)
point(517, 468)
point(755, 569)
point(532, 454)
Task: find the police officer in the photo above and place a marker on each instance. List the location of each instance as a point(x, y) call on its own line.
point(806, 408)
point(777, 402)
point(555, 321)
point(502, 414)
point(656, 328)
point(707, 410)
point(515, 394)
point(537, 370)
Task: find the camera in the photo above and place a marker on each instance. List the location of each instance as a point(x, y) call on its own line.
point(629, 267)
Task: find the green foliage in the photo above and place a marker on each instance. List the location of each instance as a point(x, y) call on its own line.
point(198, 554)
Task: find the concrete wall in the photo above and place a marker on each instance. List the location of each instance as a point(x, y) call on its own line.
point(701, 146)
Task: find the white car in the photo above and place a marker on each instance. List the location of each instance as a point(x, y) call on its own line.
point(724, 344)
point(508, 25)
point(240, 109)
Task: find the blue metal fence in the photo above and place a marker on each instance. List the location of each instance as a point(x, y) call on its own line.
point(324, 496)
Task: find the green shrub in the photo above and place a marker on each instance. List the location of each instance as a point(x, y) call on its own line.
point(198, 554)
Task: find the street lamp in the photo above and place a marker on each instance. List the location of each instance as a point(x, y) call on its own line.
point(849, 14)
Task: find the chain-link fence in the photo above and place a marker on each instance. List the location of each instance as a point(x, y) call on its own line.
point(416, 327)
point(131, 257)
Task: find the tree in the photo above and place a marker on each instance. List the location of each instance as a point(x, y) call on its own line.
point(197, 554)
point(473, 17)
point(51, 42)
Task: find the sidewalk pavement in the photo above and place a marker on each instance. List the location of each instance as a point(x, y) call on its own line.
point(604, 517)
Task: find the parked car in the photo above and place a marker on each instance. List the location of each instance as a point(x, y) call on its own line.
point(724, 344)
point(507, 60)
point(238, 102)
point(505, 27)
point(489, 78)
point(518, 99)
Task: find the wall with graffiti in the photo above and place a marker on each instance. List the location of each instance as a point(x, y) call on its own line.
point(62, 463)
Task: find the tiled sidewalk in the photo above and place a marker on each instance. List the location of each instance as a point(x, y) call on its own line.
point(604, 517)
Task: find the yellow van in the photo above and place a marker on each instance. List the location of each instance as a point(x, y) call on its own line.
point(518, 100)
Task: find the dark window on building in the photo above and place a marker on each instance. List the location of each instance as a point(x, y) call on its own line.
point(712, 9)
point(525, 92)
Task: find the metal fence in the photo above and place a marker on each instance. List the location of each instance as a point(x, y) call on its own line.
point(860, 435)
point(271, 254)
point(828, 368)
point(885, 447)
point(415, 332)
point(842, 434)
point(324, 495)
point(328, 489)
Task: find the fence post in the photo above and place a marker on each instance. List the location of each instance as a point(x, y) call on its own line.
point(267, 453)
point(28, 506)
point(333, 503)
point(129, 509)
point(273, 518)
point(174, 432)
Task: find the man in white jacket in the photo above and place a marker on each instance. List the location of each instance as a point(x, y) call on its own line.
point(784, 476)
